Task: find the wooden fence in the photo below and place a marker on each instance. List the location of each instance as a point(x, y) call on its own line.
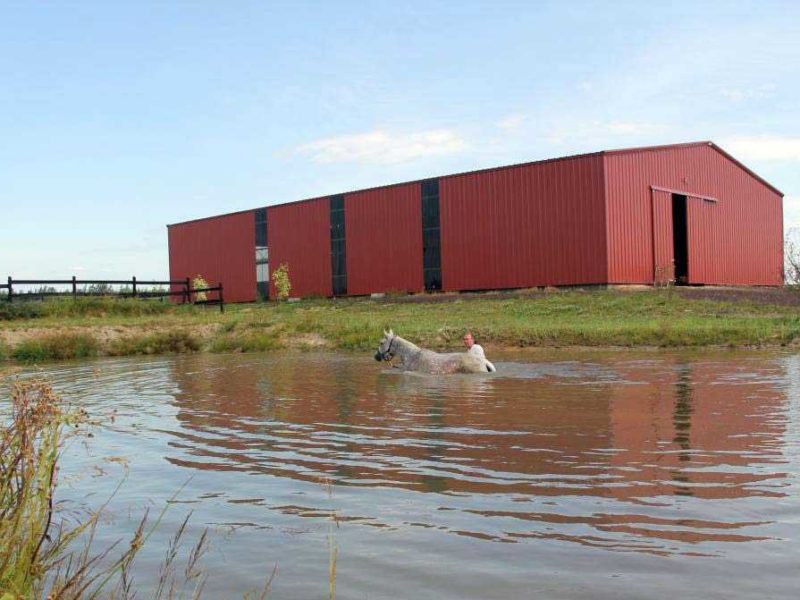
point(186, 293)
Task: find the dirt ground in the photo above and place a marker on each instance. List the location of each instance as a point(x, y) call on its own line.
point(102, 333)
point(756, 295)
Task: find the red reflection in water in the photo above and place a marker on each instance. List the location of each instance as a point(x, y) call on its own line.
point(632, 432)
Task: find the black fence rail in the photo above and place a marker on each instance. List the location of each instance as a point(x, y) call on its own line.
point(136, 288)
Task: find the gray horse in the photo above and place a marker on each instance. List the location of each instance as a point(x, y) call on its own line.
point(414, 358)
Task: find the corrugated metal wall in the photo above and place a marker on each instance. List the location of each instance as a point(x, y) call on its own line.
point(384, 240)
point(299, 235)
point(748, 237)
point(219, 249)
point(531, 225)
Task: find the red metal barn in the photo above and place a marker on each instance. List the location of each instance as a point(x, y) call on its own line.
point(686, 212)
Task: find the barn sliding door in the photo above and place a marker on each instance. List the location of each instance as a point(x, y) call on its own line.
point(663, 248)
point(702, 242)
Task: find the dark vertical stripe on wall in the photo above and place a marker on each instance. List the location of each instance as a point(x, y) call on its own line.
point(261, 227)
point(338, 254)
point(431, 239)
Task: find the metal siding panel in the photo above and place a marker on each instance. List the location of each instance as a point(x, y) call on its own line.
point(221, 249)
point(299, 235)
point(747, 228)
point(384, 240)
point(532, 225)
point(663, 246)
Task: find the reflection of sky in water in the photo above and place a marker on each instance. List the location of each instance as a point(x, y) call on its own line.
point(668, 469)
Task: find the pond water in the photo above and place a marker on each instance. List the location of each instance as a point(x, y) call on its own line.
point(566, 474)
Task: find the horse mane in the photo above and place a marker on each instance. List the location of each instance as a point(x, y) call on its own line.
point(405, 342)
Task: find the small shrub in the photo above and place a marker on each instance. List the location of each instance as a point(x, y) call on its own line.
point(283, 284)
point(55, 347)
point(163, 342)
point(250, 341)
point(199, 283)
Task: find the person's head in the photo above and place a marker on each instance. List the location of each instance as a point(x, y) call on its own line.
point(468, 340)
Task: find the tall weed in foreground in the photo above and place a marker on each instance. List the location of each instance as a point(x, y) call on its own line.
point(43, 556)
point(29, 447)
point(333, 547)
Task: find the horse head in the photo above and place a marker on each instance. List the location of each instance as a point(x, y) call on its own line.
point(386, 349)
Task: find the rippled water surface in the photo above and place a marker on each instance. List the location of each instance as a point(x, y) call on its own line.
point(564, 475)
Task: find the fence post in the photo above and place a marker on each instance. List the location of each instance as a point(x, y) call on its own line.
point(134, 286)
point(187, 291)
point(74, 287)
point(10, 291)
point(221, 299)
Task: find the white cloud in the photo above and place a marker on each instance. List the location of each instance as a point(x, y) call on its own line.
point(383, 147)
point(765, 147)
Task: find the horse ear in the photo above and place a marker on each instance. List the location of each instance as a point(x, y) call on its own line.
point(385, 333)
point(391, 333)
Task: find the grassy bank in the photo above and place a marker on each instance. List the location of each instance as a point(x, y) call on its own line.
point(560, 318)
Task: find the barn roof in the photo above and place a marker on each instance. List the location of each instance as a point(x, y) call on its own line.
point(633, 150)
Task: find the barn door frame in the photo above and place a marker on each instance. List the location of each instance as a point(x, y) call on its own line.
point(663, 250)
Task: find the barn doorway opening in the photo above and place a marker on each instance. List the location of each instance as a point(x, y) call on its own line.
point(680, 239)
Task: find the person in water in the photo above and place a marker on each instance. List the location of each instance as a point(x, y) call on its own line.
point(476, 349)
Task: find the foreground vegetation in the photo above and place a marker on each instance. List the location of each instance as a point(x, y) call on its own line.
point(47, 554)
point(63, 329)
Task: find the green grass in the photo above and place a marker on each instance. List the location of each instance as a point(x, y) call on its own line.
point(20, 310)
point(99, 306)
point(562, 318)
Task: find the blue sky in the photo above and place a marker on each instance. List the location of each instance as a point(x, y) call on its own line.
point(117, 118)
